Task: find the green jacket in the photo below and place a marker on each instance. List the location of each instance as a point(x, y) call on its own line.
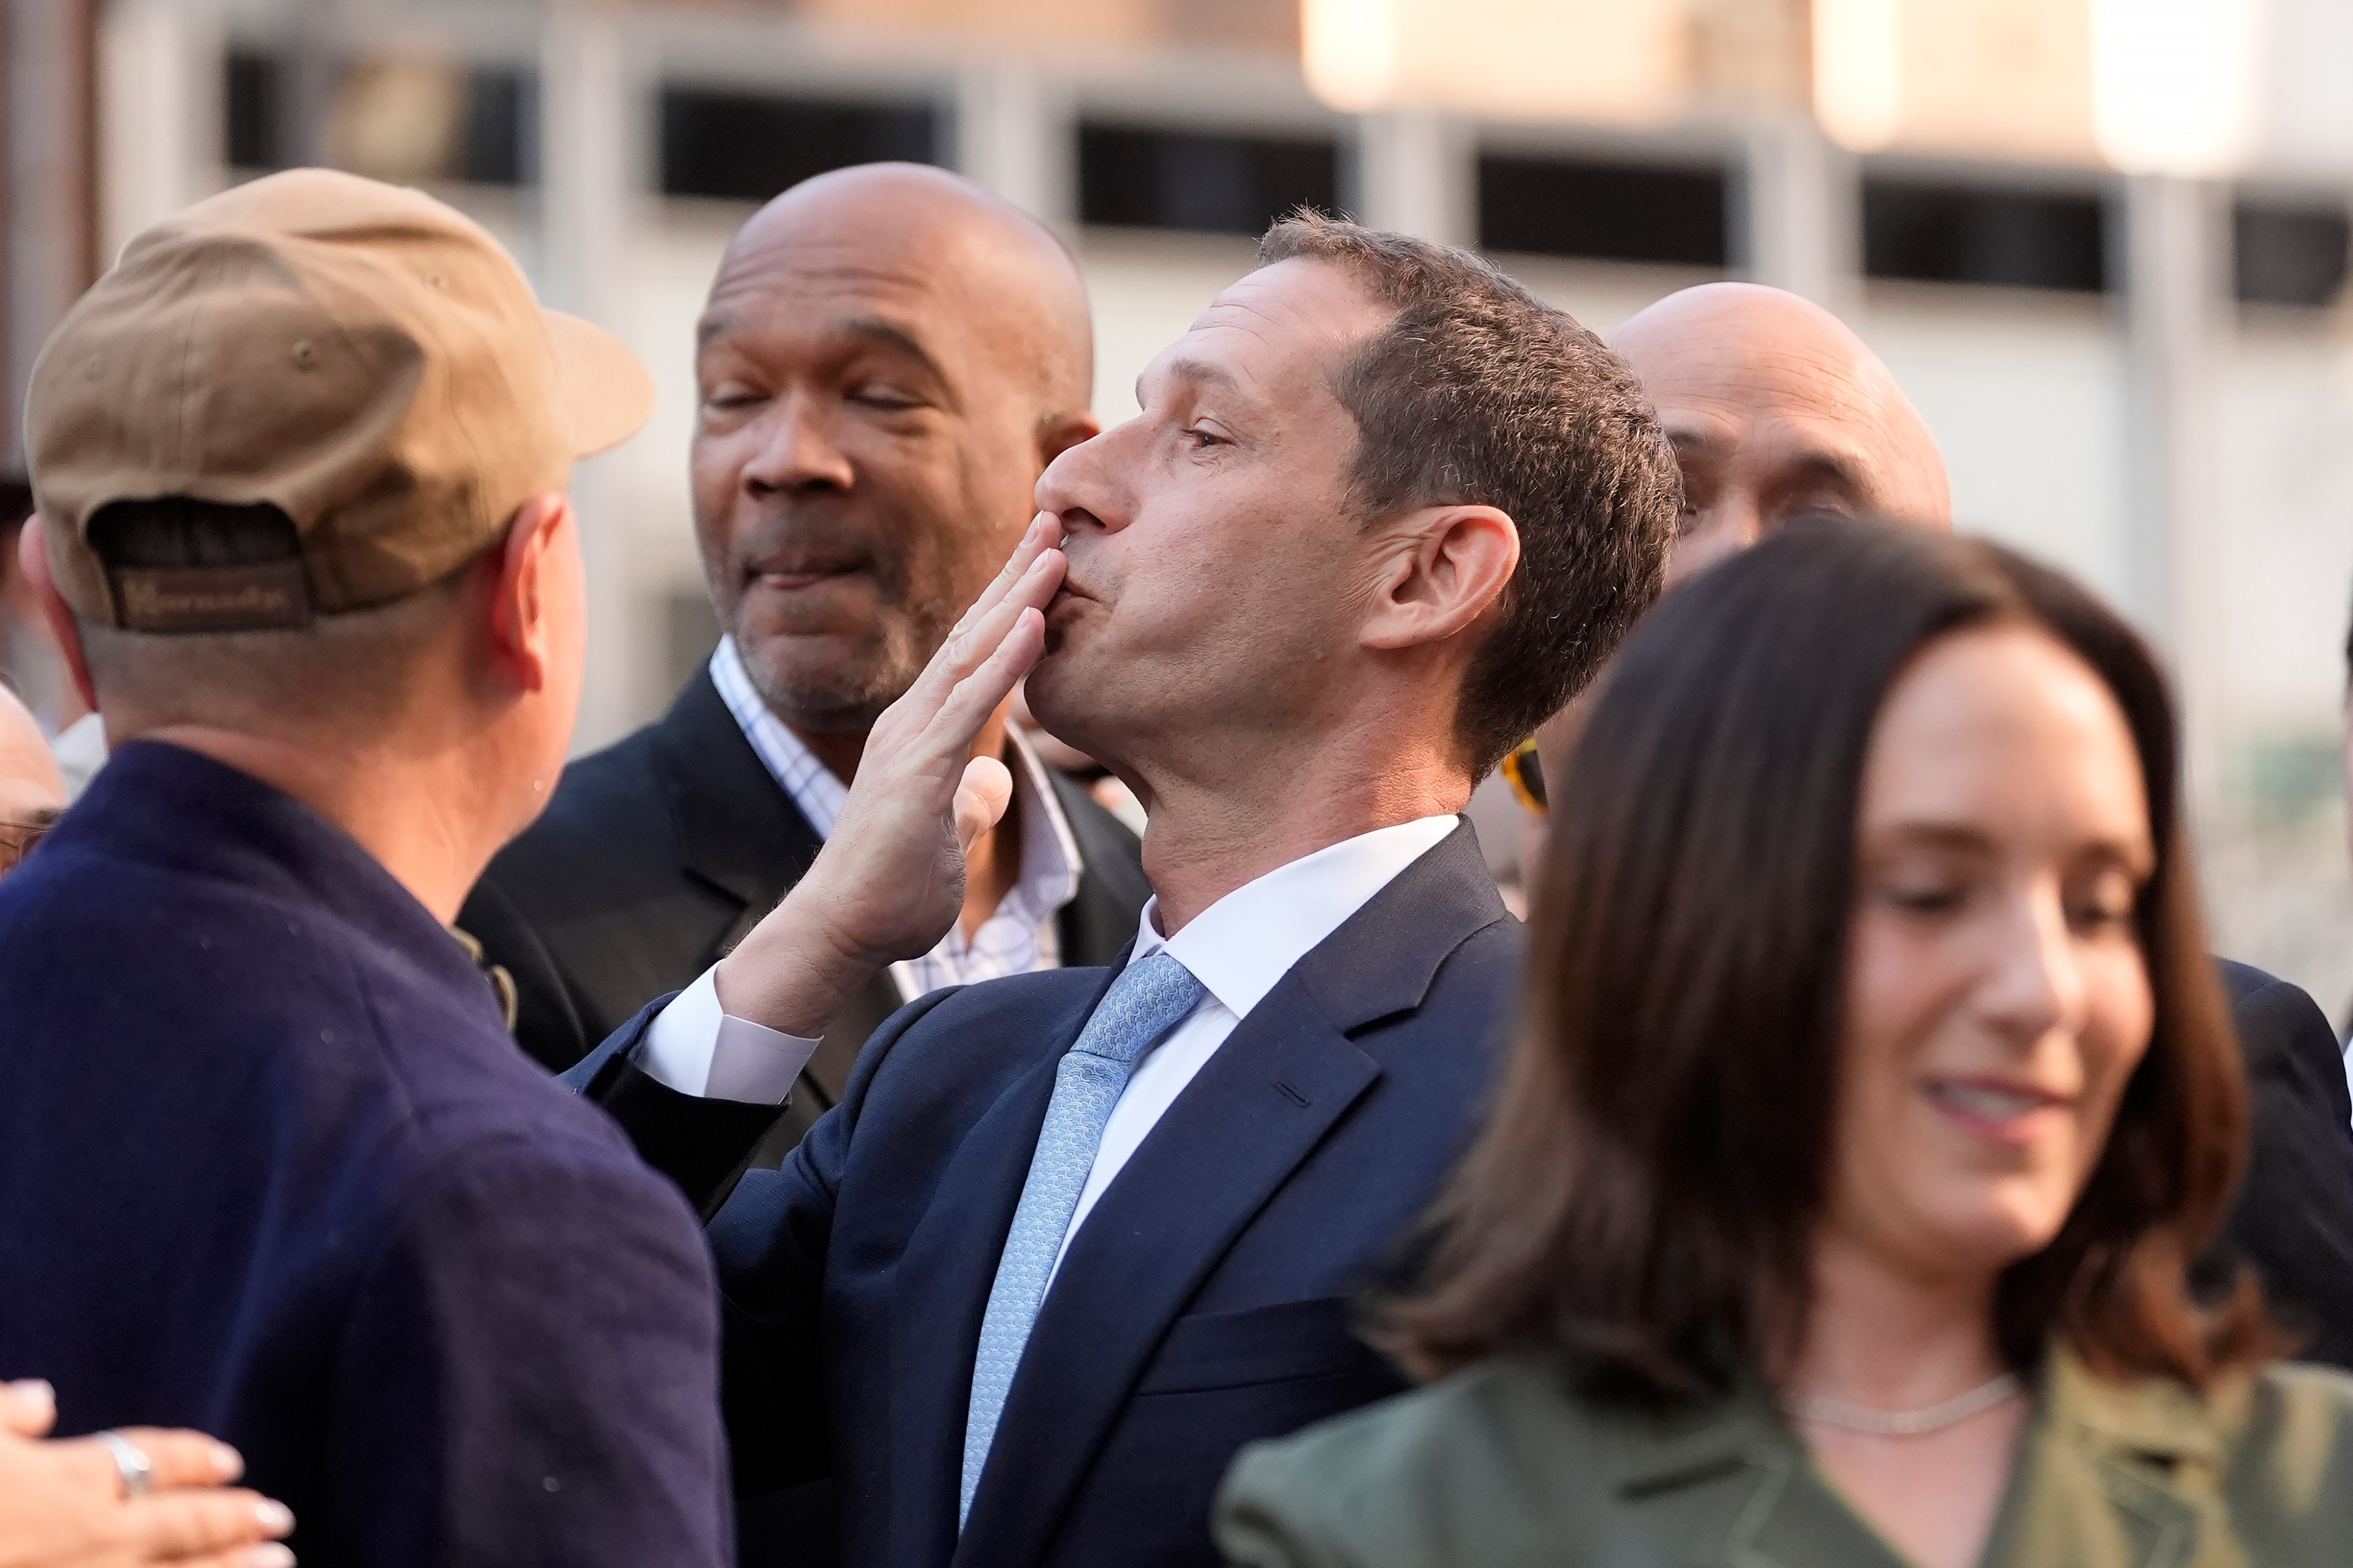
point(1506, 1465)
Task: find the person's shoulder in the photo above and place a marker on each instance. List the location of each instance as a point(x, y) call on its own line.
point(2288, 1459)
point(1010, 999)
point(2295, 1403)
point(1471, 1467)
point(2262, 994)
point(543, 1174)
point(2280, 1029)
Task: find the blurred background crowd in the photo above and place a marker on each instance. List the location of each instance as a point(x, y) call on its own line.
point(2102, 243)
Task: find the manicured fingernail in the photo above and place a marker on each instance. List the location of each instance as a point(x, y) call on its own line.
point(274, 1516)
point(270, 1557)
point(228, 1463)
point(36, 1389)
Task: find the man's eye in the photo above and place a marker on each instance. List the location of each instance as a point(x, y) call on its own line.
point(890, 398)
point(1201, 438)
point(731, 397)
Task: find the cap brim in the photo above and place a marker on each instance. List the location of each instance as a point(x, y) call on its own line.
point(603, 394)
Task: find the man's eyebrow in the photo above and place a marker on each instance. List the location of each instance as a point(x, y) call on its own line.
point(891, 334)
point(1200, 372)
point(873, 328)
point(1816, 463)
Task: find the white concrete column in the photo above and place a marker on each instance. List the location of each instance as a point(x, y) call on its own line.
point(1802, 215)
point(161, 121)
point(1014, 135)
point(589, 132)
point(50, 184)
point(2174, 255)
point(1417, 173)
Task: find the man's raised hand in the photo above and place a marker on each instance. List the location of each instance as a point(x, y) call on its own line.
point(889, 880)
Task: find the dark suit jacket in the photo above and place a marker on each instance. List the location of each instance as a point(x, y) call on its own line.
point(1206, 1301)
point(272, 1168)
point(2294, 1217)
point(658, 852)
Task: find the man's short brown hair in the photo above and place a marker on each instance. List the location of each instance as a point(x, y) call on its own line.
point(1478, 392)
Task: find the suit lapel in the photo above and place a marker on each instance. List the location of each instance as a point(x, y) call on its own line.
point(737, 829)
point(2109, 1476)
point(1099, 918)
point(1259, 1107)
point(1737, 1486)
point(1239, 1129)
point(942, 1291)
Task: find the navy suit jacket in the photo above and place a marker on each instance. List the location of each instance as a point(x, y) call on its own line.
point(1204, 1304)
point(272, 1168)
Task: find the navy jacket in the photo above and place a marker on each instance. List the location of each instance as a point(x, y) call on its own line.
point(1204, 1303)
point(272, 1168)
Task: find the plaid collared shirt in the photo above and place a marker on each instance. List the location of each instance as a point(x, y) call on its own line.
point(1020, 937)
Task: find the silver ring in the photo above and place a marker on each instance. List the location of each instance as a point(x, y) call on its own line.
point(130, 1463)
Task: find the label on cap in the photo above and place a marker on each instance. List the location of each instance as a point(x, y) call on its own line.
point(257, 598)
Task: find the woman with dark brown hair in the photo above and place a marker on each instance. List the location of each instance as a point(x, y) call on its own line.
point(1874, 1089)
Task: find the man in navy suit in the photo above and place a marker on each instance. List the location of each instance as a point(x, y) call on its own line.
point(272, 1167)
point(1071, 1239)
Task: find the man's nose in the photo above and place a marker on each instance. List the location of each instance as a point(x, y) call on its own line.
point(1087, 486)
point(797, 451)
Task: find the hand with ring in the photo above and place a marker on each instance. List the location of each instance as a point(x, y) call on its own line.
point(127, 1498)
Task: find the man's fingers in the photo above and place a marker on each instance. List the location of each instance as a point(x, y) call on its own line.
point(978, 695)
point(974, 643)
point(981, 797)
point(179, 1459)
point(180, 1527)
point(1044, 530)
point(28, 1407)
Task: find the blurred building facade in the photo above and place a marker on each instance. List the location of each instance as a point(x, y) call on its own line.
point(2103, 242)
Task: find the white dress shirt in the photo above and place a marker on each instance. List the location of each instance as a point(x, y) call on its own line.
point(693, 1047)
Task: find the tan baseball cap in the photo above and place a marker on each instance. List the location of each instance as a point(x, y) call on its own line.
point(364, 358)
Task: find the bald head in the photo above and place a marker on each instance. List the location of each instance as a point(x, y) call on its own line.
point(31, 789)
point(1012, 281)
point(888, 359)
point(1775, 406)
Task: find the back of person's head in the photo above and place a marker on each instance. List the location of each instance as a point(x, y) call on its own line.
point(1478, 393)
point(1663, 1142)
point(280, 444)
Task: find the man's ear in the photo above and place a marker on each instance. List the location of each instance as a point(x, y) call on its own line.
point(1444, 567)
point(521, 636)
point(1058, 434)
point(32, 560)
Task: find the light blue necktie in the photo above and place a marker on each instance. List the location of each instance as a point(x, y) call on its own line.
point(1144, 1004)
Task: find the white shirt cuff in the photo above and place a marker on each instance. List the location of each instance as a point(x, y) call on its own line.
point(694, 1047)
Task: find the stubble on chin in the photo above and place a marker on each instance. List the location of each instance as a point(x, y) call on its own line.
point(837, 690)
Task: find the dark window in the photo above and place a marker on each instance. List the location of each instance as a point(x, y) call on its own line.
point(500, 145)
point(1959, 233)
point(497, 143)
point(256, 134)
point(748, 146)
point(1143, 178)
point(2284, 254)
point(1610, 212)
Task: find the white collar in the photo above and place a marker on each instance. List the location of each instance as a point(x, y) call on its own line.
point(1243, 944)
